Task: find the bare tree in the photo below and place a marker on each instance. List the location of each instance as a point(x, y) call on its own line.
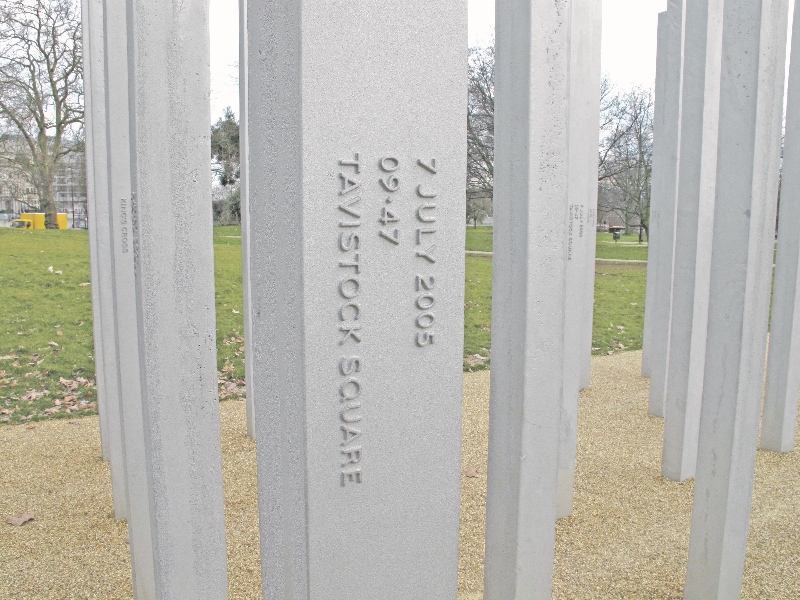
point(41, 90)
point(626, 149)
point(480, 134)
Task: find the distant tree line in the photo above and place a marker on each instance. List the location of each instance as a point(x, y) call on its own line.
point(625, 147)
point(226, 168)
point(626, 155)
point(480, 134)
point(41, 92)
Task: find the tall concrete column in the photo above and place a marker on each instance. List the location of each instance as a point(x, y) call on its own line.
point(656, 194)
point(356, 238)
point(103, 312)
point(589, 63)
point(779, 420)
point(702, 47)
point(665, 180)
point(244, 165)
point(91, 202)
point(751, 95)
point(126, 327)
point(584, 106)
point(529, 282)
point(174, 272)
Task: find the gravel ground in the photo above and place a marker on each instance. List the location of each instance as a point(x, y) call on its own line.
point(628, 536)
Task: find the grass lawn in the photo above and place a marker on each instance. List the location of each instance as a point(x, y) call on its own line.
point(477, 312)
point(618, 307)
point(627, 248)
point(230, 317)
point(479, 238)
point(46, 343)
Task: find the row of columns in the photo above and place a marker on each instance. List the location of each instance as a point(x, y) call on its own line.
point(716, 173)
point(716, 164)
point(148, 148)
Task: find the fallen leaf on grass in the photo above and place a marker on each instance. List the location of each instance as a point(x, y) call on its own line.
point(84, 284)
point(59, 333)
point(69, 383)
point(33, 395)
point(4, 411)
point(52, 343)
point(236, 312)
point(20, 519)
point(51, 411)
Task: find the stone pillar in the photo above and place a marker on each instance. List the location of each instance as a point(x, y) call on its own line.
point(244, 211)
point(779, 420)
point(590, 225)
point(356, 234)
point(126, 325)
point(103, 311)
point(91, 202)
point(702, 47)
point(590, 64)
point(530, 214)
point(584, 106)
point(655, 194)
point(665, 181)
point(751, 96)
point(174, 272)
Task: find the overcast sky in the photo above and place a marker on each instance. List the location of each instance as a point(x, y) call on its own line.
point(628, 51)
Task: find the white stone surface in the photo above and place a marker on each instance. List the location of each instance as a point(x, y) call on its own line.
point(126, 323)
point(174, 266)
point(665, 179)
point(702, 47)
point(244, 165)
point(584, 101)
point(103, 312)
point(590, 62)
point(91, 199)
point(751, 95)
point(590, 224)
point(530, 212)
point(357, 330)
point(779, 419)
point(656, 194)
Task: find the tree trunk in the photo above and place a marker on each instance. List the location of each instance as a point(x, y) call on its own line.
point(47, 203)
